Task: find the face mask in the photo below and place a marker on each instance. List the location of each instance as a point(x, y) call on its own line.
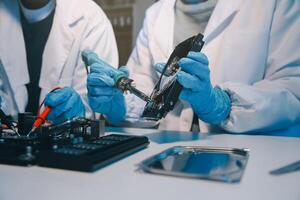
point(192, 1)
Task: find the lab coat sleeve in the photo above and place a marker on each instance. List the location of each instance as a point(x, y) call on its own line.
point(140, 65)
point(274, 102)
point(7, 103)
point(100, 38)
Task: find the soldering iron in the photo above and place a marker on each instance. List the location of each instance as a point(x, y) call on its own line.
point(123, 83)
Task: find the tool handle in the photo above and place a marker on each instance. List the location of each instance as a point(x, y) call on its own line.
point(42, 117)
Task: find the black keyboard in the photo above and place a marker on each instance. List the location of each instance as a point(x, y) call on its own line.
point(81, 155)
point(92, 155)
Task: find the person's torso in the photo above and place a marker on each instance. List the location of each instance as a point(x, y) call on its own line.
point(233, 33)
point(59, 59)
point(35, 37)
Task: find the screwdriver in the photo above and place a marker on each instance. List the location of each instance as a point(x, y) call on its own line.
point(7, 122)
point(40, 119)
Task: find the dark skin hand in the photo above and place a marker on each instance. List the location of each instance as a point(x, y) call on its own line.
point(34, 4)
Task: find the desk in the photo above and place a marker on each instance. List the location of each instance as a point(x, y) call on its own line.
point(121, 180)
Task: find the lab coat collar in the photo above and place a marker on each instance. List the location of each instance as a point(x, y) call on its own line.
point(222, 16)
point(56, 50)
point(163, 39)
point(58, 47)
point(12, 45)
point(13, 51)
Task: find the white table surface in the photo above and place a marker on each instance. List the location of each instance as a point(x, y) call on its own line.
point(121, 180)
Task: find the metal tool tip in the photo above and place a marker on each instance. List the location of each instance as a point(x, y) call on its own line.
point(30, 132)
point(15, 131)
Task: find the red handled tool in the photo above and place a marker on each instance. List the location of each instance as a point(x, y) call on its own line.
point(42, 117)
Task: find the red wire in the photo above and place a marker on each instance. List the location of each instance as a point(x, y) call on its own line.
point(41, 105)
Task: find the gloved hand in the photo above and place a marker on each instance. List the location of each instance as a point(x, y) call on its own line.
point(212, 105)
point(159, 67)
point(103, 96)
point(66, 104)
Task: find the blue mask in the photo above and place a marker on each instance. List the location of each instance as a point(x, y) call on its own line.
point(192, 1)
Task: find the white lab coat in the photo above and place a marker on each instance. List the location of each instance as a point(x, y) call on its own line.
point(77, 25)
point(254, 53)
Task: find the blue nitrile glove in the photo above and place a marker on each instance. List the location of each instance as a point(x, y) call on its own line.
point(212, 105)
point(103, 96)
point(66, 104)
point(159, 67)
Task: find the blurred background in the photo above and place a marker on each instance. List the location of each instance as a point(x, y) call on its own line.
point(127, 18)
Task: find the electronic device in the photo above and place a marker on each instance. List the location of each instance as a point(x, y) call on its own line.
point(5, 120)
point(73, 145)
point(163, 97)
point(210, 163)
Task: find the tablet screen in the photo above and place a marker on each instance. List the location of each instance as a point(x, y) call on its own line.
point(219, 164)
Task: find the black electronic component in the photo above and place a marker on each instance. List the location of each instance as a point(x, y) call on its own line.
point(25, 122)
point(163, 98)
point(127, 85)
point(7, 121)
point(74, 145)
point(92, 154)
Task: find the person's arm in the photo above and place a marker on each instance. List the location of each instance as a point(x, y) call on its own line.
point(140, 65)
point(273, 103)
point(104, 97)
point(8, 104)
point(97, 36)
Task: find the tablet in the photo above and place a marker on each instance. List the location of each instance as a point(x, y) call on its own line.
point(217, 164)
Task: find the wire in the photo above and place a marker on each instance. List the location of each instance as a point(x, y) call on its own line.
point(41, 105)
